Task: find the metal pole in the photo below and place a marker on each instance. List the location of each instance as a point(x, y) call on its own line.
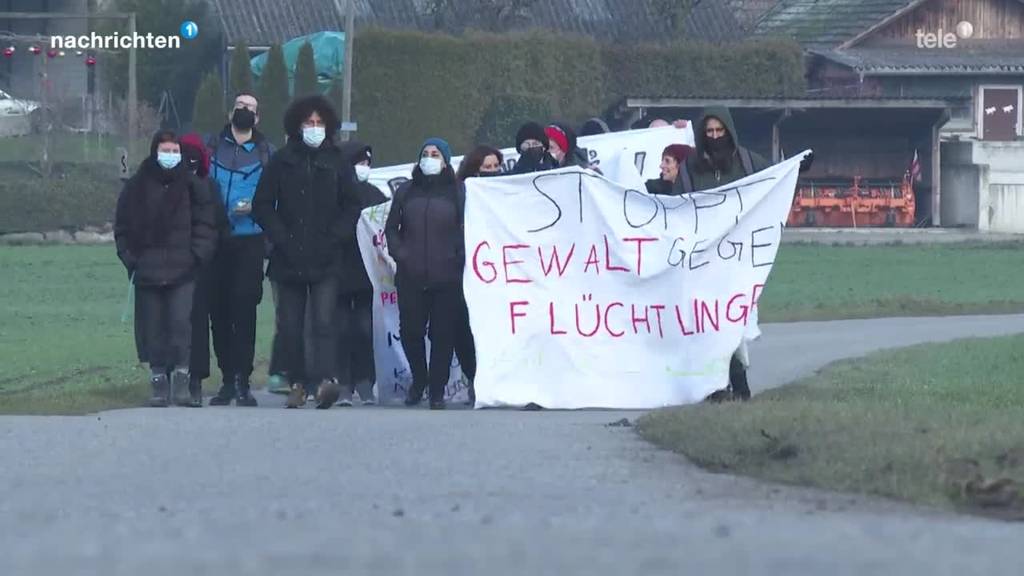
point(346, 93)
point(45, 97)
point(132, 88)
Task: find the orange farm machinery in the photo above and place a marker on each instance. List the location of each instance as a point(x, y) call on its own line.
point(854, 203)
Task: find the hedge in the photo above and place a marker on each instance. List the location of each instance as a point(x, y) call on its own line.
point(77, 195)
point(408, 86)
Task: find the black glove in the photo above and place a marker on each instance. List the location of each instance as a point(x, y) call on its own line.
point(805, 164)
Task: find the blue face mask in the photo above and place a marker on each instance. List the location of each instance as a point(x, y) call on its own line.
point(168, 160)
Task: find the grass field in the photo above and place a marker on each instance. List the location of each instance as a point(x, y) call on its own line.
point(64, 348)
point(937, 424)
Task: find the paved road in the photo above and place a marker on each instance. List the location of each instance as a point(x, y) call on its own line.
point(393, 491)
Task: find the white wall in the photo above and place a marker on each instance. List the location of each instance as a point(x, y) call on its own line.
point(983, 185)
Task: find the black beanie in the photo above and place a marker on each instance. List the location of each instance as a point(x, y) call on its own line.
point(531, 131)
point(364, 153)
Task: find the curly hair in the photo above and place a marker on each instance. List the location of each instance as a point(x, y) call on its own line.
point(302, 108)
point(470, 165)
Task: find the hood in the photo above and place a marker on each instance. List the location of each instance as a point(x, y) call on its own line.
point(353, 150)
point(722, 113)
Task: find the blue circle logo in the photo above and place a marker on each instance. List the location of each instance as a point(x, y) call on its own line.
point(189, 30)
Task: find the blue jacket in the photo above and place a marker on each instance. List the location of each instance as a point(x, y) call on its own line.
point(237, 170)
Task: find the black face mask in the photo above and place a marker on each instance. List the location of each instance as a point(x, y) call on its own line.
point(243, 118)
point(489, 174)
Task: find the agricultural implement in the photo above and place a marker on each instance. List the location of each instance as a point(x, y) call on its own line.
point(856, 203)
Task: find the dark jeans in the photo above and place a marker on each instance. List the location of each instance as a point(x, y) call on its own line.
point(163, 325)
point(355, 342)
point(441, 309)
point(738, 377)
point(277, 351)
point(322, 299)
point(465, 347)
point(235, 293)
point(199, 364)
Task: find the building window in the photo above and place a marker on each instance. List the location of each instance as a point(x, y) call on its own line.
point(999, 113)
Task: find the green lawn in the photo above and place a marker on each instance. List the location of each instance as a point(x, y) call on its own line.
point(941, 425)
point(832, 282)
point(64, 348)
point(70, 147)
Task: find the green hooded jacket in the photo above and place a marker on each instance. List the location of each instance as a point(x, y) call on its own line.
point(698, 165)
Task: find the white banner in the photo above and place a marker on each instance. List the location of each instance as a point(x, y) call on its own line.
point(585, 293)
point(622, 156)
point(643, 146)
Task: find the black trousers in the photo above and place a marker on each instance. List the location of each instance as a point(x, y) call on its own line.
point(235, 291)
point(163, 325)
point(355, 342)
point(440, 308)
point(292, 301)
point(199, 364)
point(277, 350)
point(465, 347)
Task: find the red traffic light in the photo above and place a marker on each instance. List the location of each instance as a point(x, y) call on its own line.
point(9, 51)
point(90, 61)
point(35, 49)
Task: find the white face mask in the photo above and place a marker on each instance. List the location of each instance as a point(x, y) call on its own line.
point(430, 166)
point(313, 136)
point(362, 172)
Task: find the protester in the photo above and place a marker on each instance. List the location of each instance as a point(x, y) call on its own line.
point(302, 204)
point(672, 158)
point(593, 127)
point(562, 146)
point(164, 232)
point(238, 156)
point(718, 159)
point(658, 123)
point(482, 161)
point(425, 237)
point(355, 295)
point(196, 157)
point(532, 145)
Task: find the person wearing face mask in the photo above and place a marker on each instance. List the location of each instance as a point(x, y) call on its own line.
point(717, 160)
point(532, 144)
point(164, 231)
point(672, 158)
point(563, 148)
point(482, 162)
point(304, 204)
point(238, 156)
point(424, 233)
point(355, 294)
point(196, 157)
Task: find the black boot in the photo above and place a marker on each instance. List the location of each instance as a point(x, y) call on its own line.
point(226, 393)
point(244, 394)
point(195, 390)
point(414, 396)
point(738, 379)
point(180, 392)
point(161, 391)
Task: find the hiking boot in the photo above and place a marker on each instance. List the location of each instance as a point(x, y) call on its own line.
point(345, 397)
point(327, 394)
point(180, 392)
point(296, 396)
point(195, 391)
point(226, 393)
point(278, 384)
point(161, 391)
point(244, 394)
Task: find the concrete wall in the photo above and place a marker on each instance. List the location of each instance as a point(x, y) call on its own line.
point(983, 185)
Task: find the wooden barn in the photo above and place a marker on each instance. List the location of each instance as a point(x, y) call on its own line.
point(891, 79)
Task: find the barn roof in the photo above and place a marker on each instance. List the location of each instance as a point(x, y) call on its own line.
point(265, 22)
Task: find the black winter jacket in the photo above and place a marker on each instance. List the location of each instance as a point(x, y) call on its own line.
point(354, 278)
point(164, 227)
point(424, 230)
point(303, 204)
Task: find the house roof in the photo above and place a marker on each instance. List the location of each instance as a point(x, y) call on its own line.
point(265, 22)
point(908, 61)
point(825, 24)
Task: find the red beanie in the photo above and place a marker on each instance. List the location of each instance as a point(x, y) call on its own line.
point(555, 133)
point(193, 149)
point(677, 151)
